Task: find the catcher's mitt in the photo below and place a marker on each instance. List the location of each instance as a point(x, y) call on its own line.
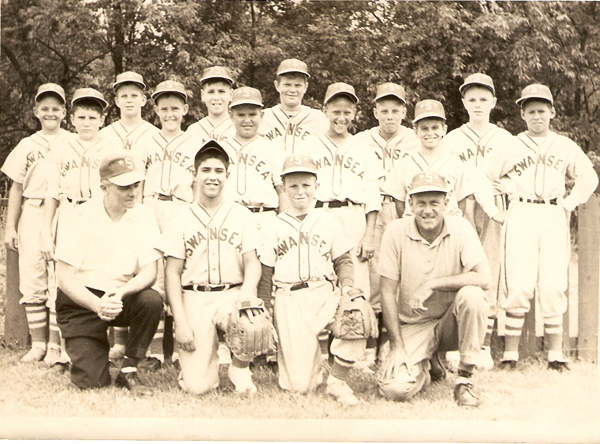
point(249, 335)
point(354, 318)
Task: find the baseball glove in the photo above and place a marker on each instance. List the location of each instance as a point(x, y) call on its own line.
point(403, 381)
point(354, 318)
point(250, 330)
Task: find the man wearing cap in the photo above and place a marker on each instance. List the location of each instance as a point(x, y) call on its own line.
point(130, 98)
point(215, 92)
point(106, 264)
point(290, 123)
point(211, 264)
point(433, 276)
point(254, 161)
point(26, 168)
point(535, 168)
point(472, 143)
point(73, 166)
point(348, 176)
point(431, 156)
point(303, 253)
point(390, 140)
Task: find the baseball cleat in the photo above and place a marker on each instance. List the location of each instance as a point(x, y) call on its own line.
point(241, 379)
point(341, 391)
point(131, 382)
point(559, 366)
point(36, 354)
point(465, 396)
point(508, 364)
point(437, 372)
point(53, 356)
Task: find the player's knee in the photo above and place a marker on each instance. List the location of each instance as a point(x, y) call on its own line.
point(472, 299)
point(196, 386)
point(150, 302)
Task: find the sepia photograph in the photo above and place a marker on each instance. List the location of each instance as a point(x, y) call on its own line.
point(300, 220)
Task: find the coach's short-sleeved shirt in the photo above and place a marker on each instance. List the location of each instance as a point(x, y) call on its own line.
point(105, 253)
point(303, 249)
point(407, 257)
point(211, 245)
point(26, 163)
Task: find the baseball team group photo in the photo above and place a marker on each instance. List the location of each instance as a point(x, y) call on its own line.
point(301, 210)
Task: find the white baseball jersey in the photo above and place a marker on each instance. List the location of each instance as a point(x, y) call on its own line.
point(203, 130)
point(474, 150)
point(254, 170)
point(212, 246)
point(73, 169)
point(303, 250)
point(289, 132)
point(348, 171)
point(169, 165)
point(537, 169)
point(389, 152)
point(128, 140)
point(24, 163)
point(446, 164)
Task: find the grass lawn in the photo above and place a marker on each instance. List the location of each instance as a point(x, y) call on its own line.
point(556, 407)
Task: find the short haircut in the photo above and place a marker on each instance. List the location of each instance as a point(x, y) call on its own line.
point(297, 172)
point(416, 124)
point(137, 85)
point(390, 97)
point(169, 94)
point(292, 75)
point(537, 99)
point(87, 103)
point(476, 85)
point(210, 154)
point(338, 97)
point(214, 80)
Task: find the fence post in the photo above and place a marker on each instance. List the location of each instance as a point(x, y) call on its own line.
point(16, 331)
point(589, 278)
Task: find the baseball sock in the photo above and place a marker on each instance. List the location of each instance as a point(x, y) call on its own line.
point(54, 338)
point(554, 330)
point(340, 368)
point(488, 333)
point(155, 350)
point(37, 319)
point(120, 335)
point(514, 326)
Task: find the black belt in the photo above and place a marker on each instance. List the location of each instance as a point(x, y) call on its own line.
point(164, 197)
point(261, 209)
point(333, 203)
point(299, 286)
point(553, 201)
point(209, 288)
point(76, 202)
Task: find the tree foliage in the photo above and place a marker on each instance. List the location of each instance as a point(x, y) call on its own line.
point(429, 47)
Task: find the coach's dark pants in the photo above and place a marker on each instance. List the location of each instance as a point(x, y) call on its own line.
point(86, 338)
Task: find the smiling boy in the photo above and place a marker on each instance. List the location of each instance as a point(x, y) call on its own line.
point(216, 86)
point(536, 229)
point(24, 166)
point(290, 123)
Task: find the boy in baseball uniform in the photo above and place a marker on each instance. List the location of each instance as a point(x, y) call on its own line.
point(73, 166)
point(431, 156)
point(290, 123)
point(211, 264)
point(472, 143)
point(216, 85)
point(390, 140)
point(433, 276)
point(536, 227)
point(304, 254)
point(25, 167)
point(130, 98)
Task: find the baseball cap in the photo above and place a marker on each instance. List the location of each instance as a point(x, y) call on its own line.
point(119, 168)
point(535, 91)
point(390, 89)
point(216, 72)
point(478, 79)
point(292, 65)
point(89, 93)
point(51, 88)
point(299, 163)
point(212, 145)
point(169, 86)
point(429, 108)
point(425, 182)
point(246, 96)
point(339, 89)
point(129, 77)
